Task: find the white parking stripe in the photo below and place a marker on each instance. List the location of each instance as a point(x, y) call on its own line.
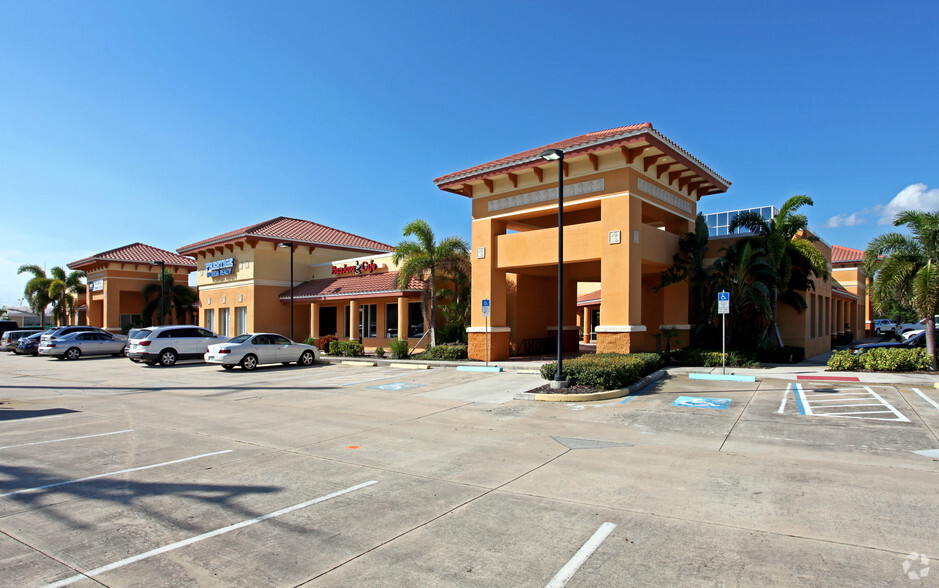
point(582, 555)
point(197, 538)
point(927, 398)
point(68, 439)
point(31, 419)
point(156, 465)
point(900, 416)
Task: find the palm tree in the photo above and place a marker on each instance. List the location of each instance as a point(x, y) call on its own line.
point(178, 297)
point(743, 271)
point(424, 257)
point(65, 289)
point(789, 249)
point(37, 291)
point(906, 269)
point(688, 264)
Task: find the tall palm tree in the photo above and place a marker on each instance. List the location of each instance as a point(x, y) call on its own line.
point(64, 290)
point(743, 271)
point(179, 299)
point(688, 264)
point(37, 290)
point(907, 269)
point(789, 248)
point(425, 257)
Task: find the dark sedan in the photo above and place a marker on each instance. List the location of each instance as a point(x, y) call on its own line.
point(28, 345)
point(911, 343)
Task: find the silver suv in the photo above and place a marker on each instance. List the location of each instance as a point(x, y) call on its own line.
point(166, 345)
point(53, 333)
point(884, 326)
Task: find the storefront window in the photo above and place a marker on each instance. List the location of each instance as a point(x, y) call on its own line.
point(210, 319)
point(128, 320)
point(415, 320)
point(223, 322)
point(241, 320)
point(391, 320)
point(368, 321)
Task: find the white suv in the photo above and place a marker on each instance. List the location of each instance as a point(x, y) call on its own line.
point(884, 326)
point(166, 345)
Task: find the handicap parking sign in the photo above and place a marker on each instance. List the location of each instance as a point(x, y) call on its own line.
point(695, 402)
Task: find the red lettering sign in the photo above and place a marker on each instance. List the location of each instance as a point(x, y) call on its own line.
point(359, 268)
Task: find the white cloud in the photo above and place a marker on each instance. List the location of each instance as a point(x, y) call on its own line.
point(846, 220)
point(913, 197)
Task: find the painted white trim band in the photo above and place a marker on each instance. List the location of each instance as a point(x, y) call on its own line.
point(490, 330)
point(546, 194)
point(620, 329)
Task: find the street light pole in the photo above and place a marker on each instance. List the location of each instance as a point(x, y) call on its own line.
point(162, 265)
point(290, 244)
point(558, 155)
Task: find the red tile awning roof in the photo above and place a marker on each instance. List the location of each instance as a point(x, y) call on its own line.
point(582, 145)
point(136, 253)
point(301, 232)
point(589, 299)
point(837, 292)
point(366, 285)
point(841, 254)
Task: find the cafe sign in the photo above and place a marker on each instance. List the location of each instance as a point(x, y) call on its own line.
point(222, 267)
point(360, 267)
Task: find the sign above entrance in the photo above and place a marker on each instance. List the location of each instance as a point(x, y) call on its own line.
point(221, 267)
point(360, 267)
point(96, 286)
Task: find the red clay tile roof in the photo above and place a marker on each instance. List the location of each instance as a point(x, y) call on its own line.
point(589, 298)
point(842, 254)
point(574, 146)
point(301, 232)
point(841, 292)
point(351, 286)
point(136, 253)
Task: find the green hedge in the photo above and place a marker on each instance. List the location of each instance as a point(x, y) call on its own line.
point(444, 353)
point(346, 348)
point(880, 360)
point(704, 358)
point(606, 371)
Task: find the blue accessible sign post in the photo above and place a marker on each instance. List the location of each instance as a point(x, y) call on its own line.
point(486, 314)
point(723, 307)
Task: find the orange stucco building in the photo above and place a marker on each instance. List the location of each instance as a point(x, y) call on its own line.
point(116, 279)
point(630, 193)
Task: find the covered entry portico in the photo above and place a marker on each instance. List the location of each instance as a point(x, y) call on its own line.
point(629, 195)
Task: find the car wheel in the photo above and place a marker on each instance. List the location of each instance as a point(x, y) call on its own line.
point(73, 353)
point(307, 358)
point(122, 352)
point(249, 362)
point(227, 367)
point(877, 332)
point(167, 357)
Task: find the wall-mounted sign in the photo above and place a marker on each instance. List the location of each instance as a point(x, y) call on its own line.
point(360, 267)
point(222, 267)
point(96, 286)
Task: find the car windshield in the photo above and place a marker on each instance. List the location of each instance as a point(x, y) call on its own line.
point(141, 334)
point(240, 339)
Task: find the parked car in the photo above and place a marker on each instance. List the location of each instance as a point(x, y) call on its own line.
point(166, 345)
point(884, 327)
point(912, 342)
point(28, 345)
point(8, 340)
point(250, 350)
point(56, 332)
point(906, 327)
point(79, 343)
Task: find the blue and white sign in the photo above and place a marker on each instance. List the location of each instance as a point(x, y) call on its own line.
point(723, 302)
point(695, 402)
point(221, 267)
point(486, 307)
point(96, 286)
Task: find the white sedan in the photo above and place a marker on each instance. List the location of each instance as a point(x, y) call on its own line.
point(250, 350)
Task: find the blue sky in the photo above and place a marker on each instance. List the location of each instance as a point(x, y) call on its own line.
point(168, 122)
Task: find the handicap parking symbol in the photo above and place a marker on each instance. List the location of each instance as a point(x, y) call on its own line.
point(695, 402)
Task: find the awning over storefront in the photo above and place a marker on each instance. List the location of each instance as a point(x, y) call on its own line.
point(353, 287)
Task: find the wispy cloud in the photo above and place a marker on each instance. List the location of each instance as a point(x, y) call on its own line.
point(913, 197)
point(847, 220)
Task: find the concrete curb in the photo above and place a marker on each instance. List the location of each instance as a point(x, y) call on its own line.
point(410, 366)
point(607, 395)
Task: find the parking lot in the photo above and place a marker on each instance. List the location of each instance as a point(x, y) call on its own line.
point(118, 474)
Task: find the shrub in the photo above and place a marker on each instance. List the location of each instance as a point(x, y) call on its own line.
point(399, 348)
point(379, 352)
point(705, 358)
point(881, 360)
point(310, 341)
point(844, 361)
point(606, 371)
point(346, 348)
point(324, 342)
point(444, 353)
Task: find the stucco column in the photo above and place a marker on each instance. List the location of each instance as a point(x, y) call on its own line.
point(354, 320)
point(585, 321)
point(112, 309)
point(402, 317)
point(622, 330)
point(315, 320)
point(489, 282)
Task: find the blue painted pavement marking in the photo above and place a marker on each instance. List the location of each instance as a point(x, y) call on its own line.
point(480, 368)
point(395, 386)
point(694, 402)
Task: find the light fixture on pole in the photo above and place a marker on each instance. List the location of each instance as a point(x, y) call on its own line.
point(558, 155)
point(290, 244)
point(162, 265)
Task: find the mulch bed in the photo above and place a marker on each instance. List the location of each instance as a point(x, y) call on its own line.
point(547, 389)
